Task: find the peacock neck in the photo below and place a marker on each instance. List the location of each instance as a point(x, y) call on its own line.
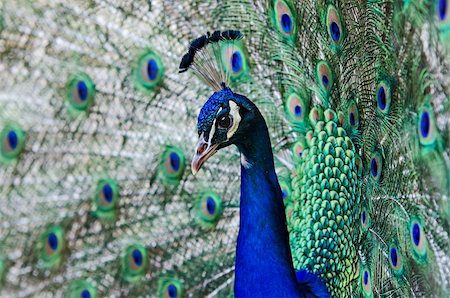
point(263, 257)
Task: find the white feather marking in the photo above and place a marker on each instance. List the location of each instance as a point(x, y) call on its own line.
point(244, 162)
point(234, 112)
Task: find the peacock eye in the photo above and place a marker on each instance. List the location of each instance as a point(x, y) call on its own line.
point(225, 121)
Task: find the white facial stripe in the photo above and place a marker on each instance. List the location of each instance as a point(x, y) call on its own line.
point(213, 128)
point(234, 112)
point(212, 132)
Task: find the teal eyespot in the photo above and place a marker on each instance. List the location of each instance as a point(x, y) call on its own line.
point(426, 126)
point(170, 288)
point(208, 209)
point(325, 76)
point(365, 219)
point(172, 165)
point(353, 115)
point(284, 19)
point(80, 92)
point(297, 150)
point(296, 108)
point(384, 96)
point(12, 143)
point(235, 60)
point(395, 259)
point(366, 282)
point(149, 72)
point(82, 289)
point(443, 10)
point(286, 191)
point(51, 245)
point(358, 165)
point(335, 26)
point(443, 16)
point(106, 199)
point(418, 240)
point(134, 263)
point(376, 166)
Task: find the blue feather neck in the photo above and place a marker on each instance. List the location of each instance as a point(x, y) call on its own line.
point(263, 257)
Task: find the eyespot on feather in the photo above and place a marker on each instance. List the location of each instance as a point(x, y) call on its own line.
point(395, 259)
point(80, 92)
point(51, 247)
point(353, 115)
point(297, 150)
point(376, 166)
point(334, 25)
point(365, 220)
point(82, 289)
point(285, 186)
point(283, 17)
point(134, 263)
point(296, 108)
point(12, 142)
point(106, 198)
point(358, 165)
point(384, 96)
point(442, 11)
point(426, 126)
point(170, 287)
point(325, 76)
point(234, 60)
point(208, 209)
point(418, 240)
point(149, 72)
point(172, 165)
point(366, 282)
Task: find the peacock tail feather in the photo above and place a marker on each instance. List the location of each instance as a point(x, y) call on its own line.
point(97, 129)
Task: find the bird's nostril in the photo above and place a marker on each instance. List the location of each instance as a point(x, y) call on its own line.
point(202, 148)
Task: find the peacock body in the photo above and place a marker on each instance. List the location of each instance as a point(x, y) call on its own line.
point(340, 112)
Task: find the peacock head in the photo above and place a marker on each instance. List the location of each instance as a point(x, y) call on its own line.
point(225, 119)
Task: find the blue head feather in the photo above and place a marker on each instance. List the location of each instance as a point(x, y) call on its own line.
point(209, 110)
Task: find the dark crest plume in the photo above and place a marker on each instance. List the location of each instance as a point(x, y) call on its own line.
point(205, 59)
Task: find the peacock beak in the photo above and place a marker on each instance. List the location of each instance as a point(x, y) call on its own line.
point(204, 150)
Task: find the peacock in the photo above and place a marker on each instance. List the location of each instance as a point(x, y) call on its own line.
point(117, 174)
